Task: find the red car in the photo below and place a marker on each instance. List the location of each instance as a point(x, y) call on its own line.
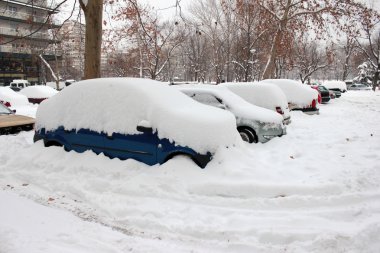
point(324, 94)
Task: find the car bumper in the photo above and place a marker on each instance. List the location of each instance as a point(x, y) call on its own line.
point(325, 99)
point(269, 134)
point(37, 137)
point(310, 111)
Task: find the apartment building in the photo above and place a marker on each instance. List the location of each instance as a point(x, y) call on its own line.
point(72, 35)
point(26, 31)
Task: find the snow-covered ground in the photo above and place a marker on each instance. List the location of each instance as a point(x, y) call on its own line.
point(317, 189)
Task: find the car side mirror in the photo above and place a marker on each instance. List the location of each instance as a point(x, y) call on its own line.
point(144, 126)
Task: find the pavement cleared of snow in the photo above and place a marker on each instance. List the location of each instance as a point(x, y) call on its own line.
point(314, 190)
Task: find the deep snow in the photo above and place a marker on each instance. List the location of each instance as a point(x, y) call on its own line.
point(314, 190)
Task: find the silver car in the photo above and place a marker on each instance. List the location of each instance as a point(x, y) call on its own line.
point(255, 124)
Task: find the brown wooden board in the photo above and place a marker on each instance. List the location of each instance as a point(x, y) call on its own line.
point(15, 120)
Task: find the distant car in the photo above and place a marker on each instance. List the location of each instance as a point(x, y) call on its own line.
point(19, 84)
point(11, 123)
point(38, 93)
point(267, 96)
point(300, 96)
point(335, 85)
point(359, 86)
point(69, 82)
point(332, 94)
point(142, 119)
point(325, 94)
point(255, 124)
point(337, 93)
point(12, 98)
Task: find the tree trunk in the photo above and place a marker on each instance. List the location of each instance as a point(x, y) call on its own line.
point(270, 68)
point(93, 12)
point(376, 77)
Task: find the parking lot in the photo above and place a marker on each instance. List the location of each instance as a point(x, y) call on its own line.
point(315, 189)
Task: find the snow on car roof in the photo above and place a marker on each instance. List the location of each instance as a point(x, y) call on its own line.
point(118, 105)
point(335, 85)
point(296, 92)
point(236, 103)
point(268, 96)
point(38, 91)
point(8, 95)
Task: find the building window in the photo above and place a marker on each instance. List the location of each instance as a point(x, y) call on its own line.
point(12, 9)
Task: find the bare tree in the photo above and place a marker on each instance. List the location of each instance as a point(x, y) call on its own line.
point(308, 58)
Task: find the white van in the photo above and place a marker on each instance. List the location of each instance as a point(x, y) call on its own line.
point(19, 84)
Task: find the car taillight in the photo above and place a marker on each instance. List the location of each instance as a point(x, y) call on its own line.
point(278, 109)
point(7, 104)
point(314, 103)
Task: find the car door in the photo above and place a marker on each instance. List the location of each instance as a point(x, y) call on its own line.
point(141, 147)
point(84, 139)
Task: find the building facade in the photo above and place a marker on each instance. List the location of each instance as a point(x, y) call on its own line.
point(26, 31)
point(72, 35)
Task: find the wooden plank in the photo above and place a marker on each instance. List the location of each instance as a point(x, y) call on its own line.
point(14, 120)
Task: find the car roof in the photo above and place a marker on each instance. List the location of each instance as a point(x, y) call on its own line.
point(238, 105)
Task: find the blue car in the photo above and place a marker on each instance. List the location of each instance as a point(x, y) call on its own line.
point(132, 118)
point(145, 147)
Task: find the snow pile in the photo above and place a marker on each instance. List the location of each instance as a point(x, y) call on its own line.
point(39, 91)
point(335, 85)
point(268, 96)
point(118, 105)
point(16, 99)
point(238, 106)
point(296, 93)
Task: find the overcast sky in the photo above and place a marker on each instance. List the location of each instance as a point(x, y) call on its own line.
point(166, 7)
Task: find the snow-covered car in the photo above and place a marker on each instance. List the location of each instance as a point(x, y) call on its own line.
point(325, 93)
point(37, 94)
point(359, 86)
point(300, 96)
point(134, 118)
point(254, 123)
point(11, 123)
point(12, 98)
point(268, 96)
point(335, 85)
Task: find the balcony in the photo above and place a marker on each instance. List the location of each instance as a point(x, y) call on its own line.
point(37, 36)
point(27, 18)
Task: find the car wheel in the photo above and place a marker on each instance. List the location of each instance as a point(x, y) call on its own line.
point(248, 135)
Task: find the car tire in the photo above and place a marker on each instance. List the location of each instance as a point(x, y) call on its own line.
point(247, 135)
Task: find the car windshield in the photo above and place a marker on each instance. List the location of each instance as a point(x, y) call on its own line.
point(322, 88)
point(4, 109)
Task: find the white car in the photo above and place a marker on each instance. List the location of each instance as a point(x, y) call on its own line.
point(19, 84)
point(268, 96)
point(254, 123)
point(37, 93)
point(335, 85)
point(300, 96)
